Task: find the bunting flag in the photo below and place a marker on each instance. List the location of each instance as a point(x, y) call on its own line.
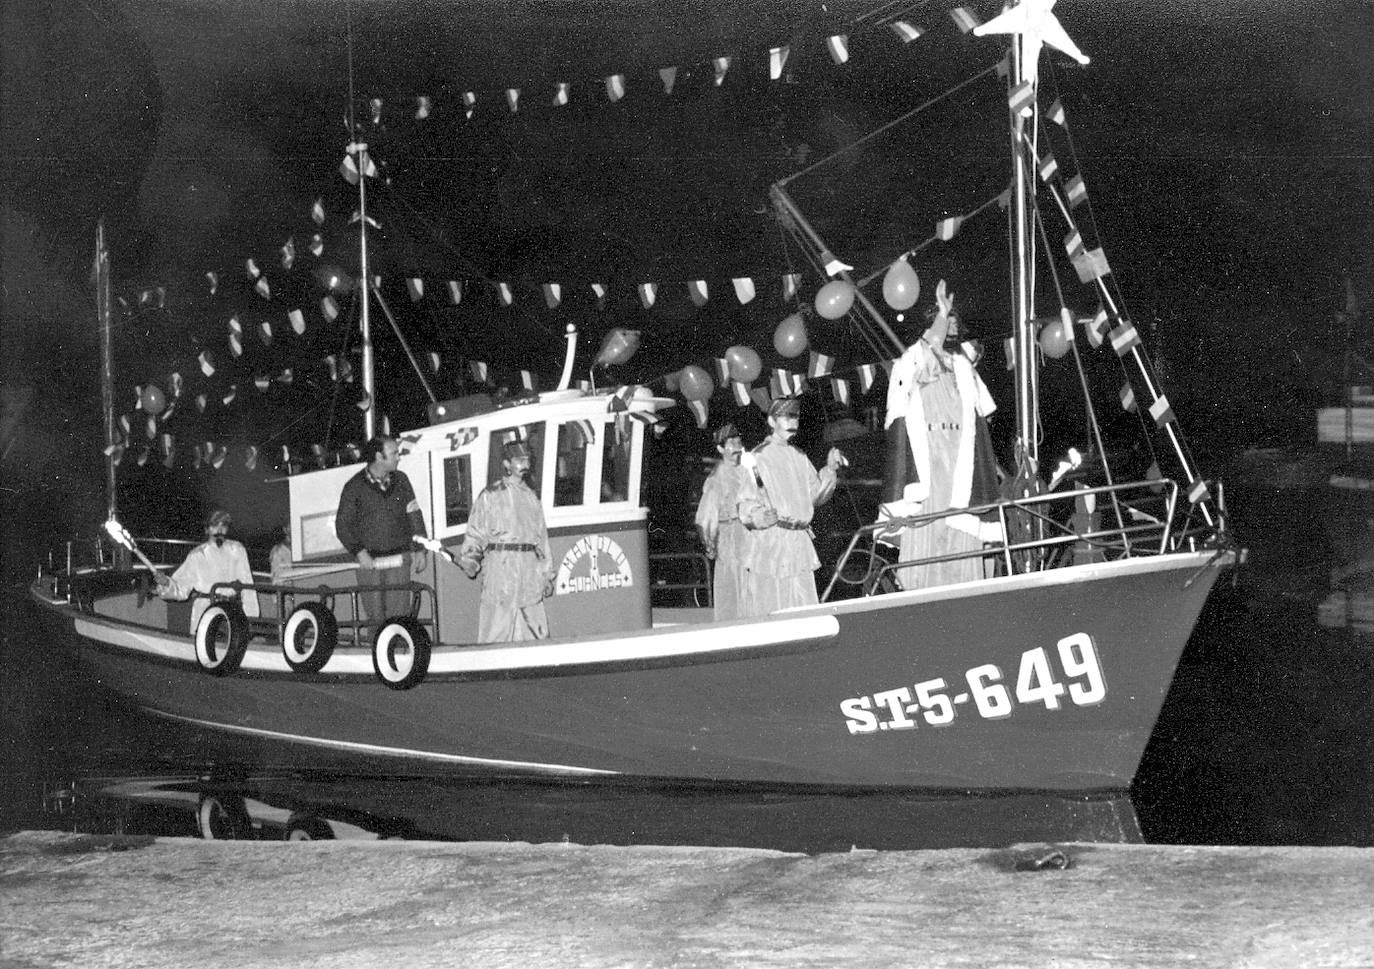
point(906, 31)
point(434, 361)
point(202, 401)
point(375, 104)
point(527, 380)
point(669, 78)
point(150, 428)
point(964, 19)
point(513, 98)
point(221, 454)
point(263, 287)
point(700, 410)
point(648, 292)
point(1048, 166)
point(887, 366)
point(348, 168)
point(455, 291)
point(784, 383)
point(214, 281)
point(230, 394)
point(174, 383)
point(722, 65)
point(839, 387)
point(1127, 399)
point(1124, 338)
point(615, 87)
point(599, 291)
point(1197, 490)
point(722, 369)
point(560, 94)
point(478, 369)
point(1091, 265)
point(1075, 191)
point(1004, 67)
point(297, 319)
point(838, 46)
point(744, 289)
point(867, 373)
point(124, 424)
point(331, 364)
point(288, 253)
point(415, 288)
point(1021, 99)
point(423, 107)
point(820, 366)
point(317, 245)
point(946, 229)
point(262, 383)
point(790, 282)
point(1056, 112)
point(832, 265)
point(207, 365)
point(741, 392)
point(251, 267)
point(265, 333)
point(142, 457)
point(469, 103)
point(1162, 412)
point(585, 386)
point(329, 309)
point(503, 293)
point(698, 292)
point(321, 457)
point(250, 458)
point(1073, 244)
point(1152, 473)
point(553, 295)
point(759, 395)
point(777, 60)
point(1097, 328)
point(364, 403)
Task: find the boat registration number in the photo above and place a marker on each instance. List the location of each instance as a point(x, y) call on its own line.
point(1075, 678)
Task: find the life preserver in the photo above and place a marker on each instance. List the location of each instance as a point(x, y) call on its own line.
point(309, 637)
point(305, 827)
point(221, 637)
point(223, 818)
point(400, 654)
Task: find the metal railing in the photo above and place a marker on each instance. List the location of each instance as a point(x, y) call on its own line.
point(697, 582)
point(1039, 533)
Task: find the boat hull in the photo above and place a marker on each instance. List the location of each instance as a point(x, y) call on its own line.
point(1052, 682)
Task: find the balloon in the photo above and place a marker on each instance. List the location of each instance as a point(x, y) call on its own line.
point(695, 383)
point(1055, 338)
point(789, 339)
point(618, 346)
point(744, 364)
point(152, 400)
point(834, 299)
point(901, 285)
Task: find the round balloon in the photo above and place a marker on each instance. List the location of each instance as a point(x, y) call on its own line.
point(901, 285)
point(695, 383)
point(789, 339)
point(744, 364)
point(152, 400)
point(1055, 338)
point(834, 299)
point(618, 346)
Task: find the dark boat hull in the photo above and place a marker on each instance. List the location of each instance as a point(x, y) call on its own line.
point(822, 696)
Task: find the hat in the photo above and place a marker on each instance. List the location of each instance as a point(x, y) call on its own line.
point(785, 407)
point(724, 433)
point(514, 449)
point(218, 517)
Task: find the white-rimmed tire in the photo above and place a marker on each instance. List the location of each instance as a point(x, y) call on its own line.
point(221, 637)
point(303, 827)
point(223, 818)
point(309, 637)
point(400, 654)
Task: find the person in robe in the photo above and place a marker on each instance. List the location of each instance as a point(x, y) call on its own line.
point(939, 458)
point(279, 560)
point(218, 559)
point(778, 496)
point(507, 543)
point(722, 532)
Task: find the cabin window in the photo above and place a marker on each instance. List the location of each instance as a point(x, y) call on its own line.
point(617, 437)
point(534, 437)
point(570, 465)
point(457, 489)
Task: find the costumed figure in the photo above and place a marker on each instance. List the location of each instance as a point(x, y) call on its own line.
point(279, 561)
point(778, 496)
point(217, 559)
point(507, 542)
point(722, 532)
point(940, 455)
point(377, 520)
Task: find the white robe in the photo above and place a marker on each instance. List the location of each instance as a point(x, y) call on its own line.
point(207, 564)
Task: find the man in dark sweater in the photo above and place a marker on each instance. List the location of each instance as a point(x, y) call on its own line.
point(378, 514)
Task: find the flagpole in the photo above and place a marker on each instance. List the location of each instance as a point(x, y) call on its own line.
point(359, 148)
point(1027, 403)
point(103, 318)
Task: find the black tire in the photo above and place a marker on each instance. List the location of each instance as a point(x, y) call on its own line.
point(223, 818)
point(222, 637)
point(309, 637)
point(307, 828)
point(400, 654)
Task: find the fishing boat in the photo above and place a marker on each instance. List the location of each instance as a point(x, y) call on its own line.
point(1045, 675)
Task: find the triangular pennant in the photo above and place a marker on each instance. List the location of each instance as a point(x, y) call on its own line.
point(648, 292)
point(415, 288)
point(790, 282)
point(700, 410)
point(722, 65)
point(946, 229)
point(744, 289)
point(867, 374)
point(316, 245)
point(297, 319)
point(263, 287)
point(434, 361)
point(838, 46)
point(1048, 166)
point(560, 94)
point(820, 365)
point(207, 364)
point(1097, 328)
point(1021, 99)
point(527, 380)
point(553, 295)
point(513, 98)
point(423, 107)
point(669, 77)
point(741, 392)
point(1127, 396)
point(840, 388)
point(230, 394)
point(615, 87)
point(698, 292)
point(599, 291)
point(906, 31)
point(503, 293)
point(1056, 112)
point(1124, 338)
point(250, 266)
point(777, 60)
point(375, 106)
point(455, 291)
point(329, 309)
point(1075, 191)
point(265, 333)
point(288, 253)
point(964, 19)
point(1162, 412)
point(214, 281)
point(262, 383)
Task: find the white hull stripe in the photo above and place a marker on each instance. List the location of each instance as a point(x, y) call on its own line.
point(376, 749)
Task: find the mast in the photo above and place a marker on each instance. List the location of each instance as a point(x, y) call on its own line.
point(1023, 274)
point(104, 322)
point(365, 324)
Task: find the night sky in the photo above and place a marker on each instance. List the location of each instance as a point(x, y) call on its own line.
point(1226, 147)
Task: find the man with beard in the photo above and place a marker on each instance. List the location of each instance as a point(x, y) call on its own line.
point(722, 532)
point(780, 493)
point(508, 543)
point(217, 559)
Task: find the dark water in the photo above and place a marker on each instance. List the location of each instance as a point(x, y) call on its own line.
point(1267, 737)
